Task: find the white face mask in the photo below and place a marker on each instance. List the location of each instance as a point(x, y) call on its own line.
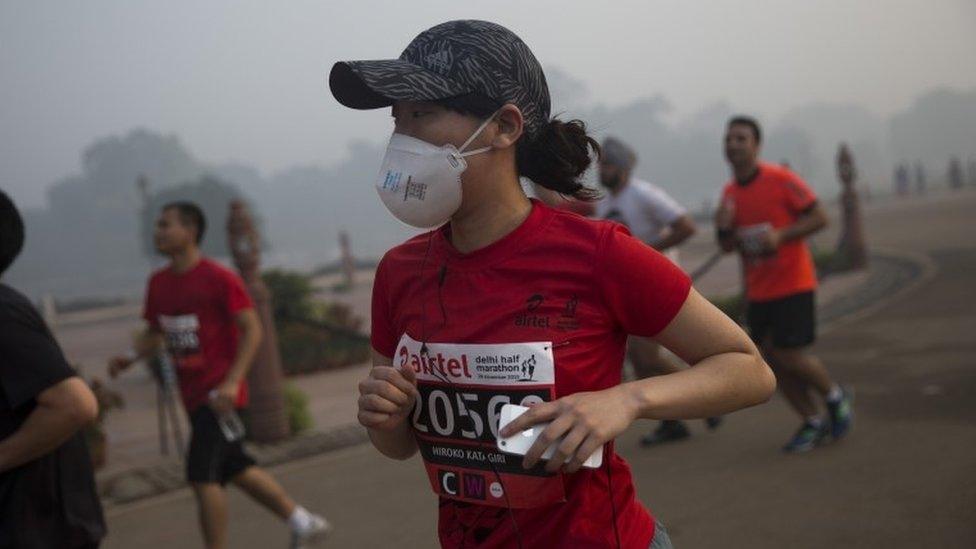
point(419, 182)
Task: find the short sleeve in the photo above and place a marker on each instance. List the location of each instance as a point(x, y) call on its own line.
point(799, 196)
point(382, 336)
point(32, 360)
point(662, 207)
point(642, 289)
point(237, 297)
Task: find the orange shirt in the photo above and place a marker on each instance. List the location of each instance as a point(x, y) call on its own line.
point(777, 197)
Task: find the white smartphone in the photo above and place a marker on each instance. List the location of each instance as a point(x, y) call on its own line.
point(520, 443)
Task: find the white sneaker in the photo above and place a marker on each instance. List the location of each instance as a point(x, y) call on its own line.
point(312, 533)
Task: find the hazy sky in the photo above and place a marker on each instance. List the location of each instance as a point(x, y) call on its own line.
point(247, 81)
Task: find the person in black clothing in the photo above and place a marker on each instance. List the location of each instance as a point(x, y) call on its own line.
point(47, 487)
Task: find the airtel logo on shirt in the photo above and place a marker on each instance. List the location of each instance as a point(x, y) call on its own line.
point(529, 319)
point(533, 318)
point(423, 363)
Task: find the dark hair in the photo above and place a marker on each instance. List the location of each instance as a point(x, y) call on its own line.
point(11, 232)
point(555, 158)
point(748, 121)
point(190, 214)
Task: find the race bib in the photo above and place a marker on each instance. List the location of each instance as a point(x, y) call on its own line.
point(751, 237)
point(462, 390)
point(182, 335)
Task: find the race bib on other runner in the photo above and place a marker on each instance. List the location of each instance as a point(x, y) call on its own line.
point(462, 390)
point(182, 335)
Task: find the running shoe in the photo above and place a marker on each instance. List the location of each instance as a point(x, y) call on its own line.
point(315, 531)
point(669, 431)
point(841, 414)
point(807, 438)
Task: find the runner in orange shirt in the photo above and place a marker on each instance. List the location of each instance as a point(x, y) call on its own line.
point(766, 213)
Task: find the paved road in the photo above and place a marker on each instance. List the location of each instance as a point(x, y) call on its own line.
point(904, 478)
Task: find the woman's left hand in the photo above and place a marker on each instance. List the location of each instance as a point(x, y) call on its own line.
point(581, 423)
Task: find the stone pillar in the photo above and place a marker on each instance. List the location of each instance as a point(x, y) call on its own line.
point(955, 173)
point(851, 245)
point(920, 179)
point(268, 420)
point(348, 261)
point(901, 180)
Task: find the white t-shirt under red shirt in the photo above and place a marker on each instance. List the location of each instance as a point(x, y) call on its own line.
point(538, 315)
point(645, 209)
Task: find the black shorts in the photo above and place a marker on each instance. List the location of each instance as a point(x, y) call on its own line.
point(212, 458)
point(791, 320)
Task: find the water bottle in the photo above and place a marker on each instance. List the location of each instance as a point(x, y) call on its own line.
point(229, 422)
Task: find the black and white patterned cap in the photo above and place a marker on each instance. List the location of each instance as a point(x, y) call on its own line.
point(451, 59)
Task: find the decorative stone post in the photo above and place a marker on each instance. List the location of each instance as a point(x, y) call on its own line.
point(851, 245)
point(348, 261)
point(920, 180)
point(955, 173)
point(901, 180)
point(268, 421)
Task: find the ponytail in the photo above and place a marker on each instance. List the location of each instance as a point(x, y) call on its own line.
point(557, 157)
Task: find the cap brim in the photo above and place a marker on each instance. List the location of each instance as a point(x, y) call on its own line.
point(376, 84)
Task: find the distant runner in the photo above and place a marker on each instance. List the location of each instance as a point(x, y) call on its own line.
point(659, 221)
point(766, 214)
point(204, 314)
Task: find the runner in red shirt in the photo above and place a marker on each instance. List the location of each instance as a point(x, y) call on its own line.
point(203, 313)
point(766, 214)
point(511, 301)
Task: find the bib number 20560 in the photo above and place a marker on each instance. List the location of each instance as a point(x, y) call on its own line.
point(467, 413)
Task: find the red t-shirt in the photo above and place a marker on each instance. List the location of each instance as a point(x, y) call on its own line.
point(196, 311)
point(540, 314)
point(775, 197)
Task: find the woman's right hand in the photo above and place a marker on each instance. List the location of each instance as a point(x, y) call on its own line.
point(386, 397)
